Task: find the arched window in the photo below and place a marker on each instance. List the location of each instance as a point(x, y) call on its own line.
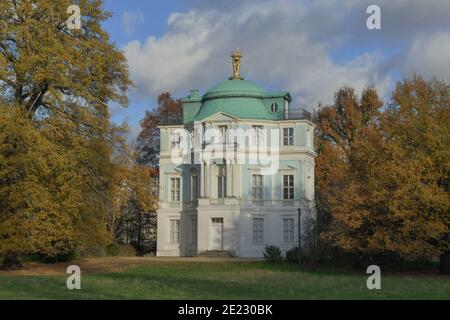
point(274, 107)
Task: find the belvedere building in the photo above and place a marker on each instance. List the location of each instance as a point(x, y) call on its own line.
point(235, 174)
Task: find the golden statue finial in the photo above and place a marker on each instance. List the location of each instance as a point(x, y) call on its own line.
point(236, 56)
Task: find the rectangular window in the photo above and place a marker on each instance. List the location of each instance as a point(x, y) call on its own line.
point(258, 230)
point(259, 135)
point(217, 220)
point(257, 187)
point(288, 187)
point(175, 140)
point(288, 230)
point(193, 231)
point(223, 134)
point(194, 188)
point(221, 187)
point(222, 183)
point(174, 231)
point(288, 136)
point(175, 189)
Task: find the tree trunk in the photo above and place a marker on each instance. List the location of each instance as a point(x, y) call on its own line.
point(11, 261)
point(444, 265)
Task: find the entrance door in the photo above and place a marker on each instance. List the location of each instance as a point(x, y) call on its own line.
point(216, 234)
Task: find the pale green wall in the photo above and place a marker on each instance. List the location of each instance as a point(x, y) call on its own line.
point(300, 135)
point(299, 140)
point(164, 140)
point(278, 181)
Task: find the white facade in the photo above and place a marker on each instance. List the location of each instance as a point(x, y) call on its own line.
point(236, 207)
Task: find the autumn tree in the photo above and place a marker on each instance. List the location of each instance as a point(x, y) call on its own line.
point(384, 182)
point(340, 128)
point(414, 176)
point(38, 191)
point(62, 80)
point(135, 203)
point(44, 64)
point(168, 111)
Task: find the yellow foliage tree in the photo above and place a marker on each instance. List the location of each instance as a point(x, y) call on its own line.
point(38, 191)
point(134, 198)
point(62, 80)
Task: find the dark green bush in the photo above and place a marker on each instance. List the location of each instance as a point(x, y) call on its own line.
point(61, 257)
point(112, 250)
point(292, 255)
point(272, 254)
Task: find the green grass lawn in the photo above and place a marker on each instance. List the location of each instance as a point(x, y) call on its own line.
point(224, 280)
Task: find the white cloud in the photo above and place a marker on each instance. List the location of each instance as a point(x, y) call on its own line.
point(130, 21)
point(287, 45)
point(429, 56)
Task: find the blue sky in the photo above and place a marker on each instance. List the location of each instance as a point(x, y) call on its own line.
point(150, 19)
point(155, 15)
point(310, 48)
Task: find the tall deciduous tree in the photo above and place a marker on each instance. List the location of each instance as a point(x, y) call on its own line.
point(39, 195)
point(386, 187)
point(62, 80)
point(44, 64)
point(340, 129)
point(168, 111)
point(415, 174)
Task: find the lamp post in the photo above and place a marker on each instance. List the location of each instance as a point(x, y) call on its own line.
point(299, 233)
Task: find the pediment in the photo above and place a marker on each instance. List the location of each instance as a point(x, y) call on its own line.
point(287, 168)
point(173, 171)
point(220, 117)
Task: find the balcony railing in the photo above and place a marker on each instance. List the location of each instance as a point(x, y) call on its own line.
point(174, 204)
point(298, 113)
point(190, 204)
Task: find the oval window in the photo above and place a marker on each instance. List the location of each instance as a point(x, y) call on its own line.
point(274, 107)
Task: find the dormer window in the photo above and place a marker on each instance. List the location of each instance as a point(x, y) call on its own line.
point(274, 107)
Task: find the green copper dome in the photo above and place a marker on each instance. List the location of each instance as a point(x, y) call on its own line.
point(239, 98)
point(234, 88)
point(236, 97)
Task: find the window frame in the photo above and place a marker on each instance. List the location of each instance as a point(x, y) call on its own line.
point(288, 187)
point(174, 231)
point(221, 187)
point(258, 230)
point(223, 129)
point(193, 230)
point(257, 187)
point(258, 138)
point(288, 230)
point(175, 189)
point(288, 139)
point(175, 140)
point(221, 182)
point(274, 107)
